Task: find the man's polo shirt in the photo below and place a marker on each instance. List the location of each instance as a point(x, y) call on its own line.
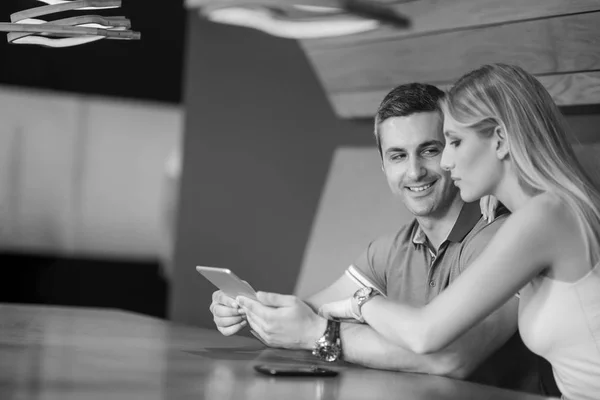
point(406, 268)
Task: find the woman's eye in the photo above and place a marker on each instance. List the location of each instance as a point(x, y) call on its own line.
point(455, 143)
point(396, 157)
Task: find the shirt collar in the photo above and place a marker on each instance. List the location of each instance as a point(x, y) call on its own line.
point(419, 236)
point(467, 219)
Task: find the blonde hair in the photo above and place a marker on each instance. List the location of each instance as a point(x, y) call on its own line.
point(538, 139)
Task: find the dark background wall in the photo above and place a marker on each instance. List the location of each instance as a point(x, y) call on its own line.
point(259, 135)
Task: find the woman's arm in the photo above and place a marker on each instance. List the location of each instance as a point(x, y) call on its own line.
point(523, 247)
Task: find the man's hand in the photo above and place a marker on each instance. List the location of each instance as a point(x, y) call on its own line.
point(226, 314)
point(488, 205)
point(283, 321)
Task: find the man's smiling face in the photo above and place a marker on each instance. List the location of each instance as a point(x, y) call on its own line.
point(411, 148)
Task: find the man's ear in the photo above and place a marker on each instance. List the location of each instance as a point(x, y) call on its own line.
point(500, 142)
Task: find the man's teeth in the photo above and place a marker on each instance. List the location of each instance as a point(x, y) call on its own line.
point(419, 188)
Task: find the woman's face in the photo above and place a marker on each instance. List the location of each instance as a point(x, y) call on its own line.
point(471, 159)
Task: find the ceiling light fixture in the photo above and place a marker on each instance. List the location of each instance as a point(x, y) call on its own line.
point(304, 19)
point(25, 28)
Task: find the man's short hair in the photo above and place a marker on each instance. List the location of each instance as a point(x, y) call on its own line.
point(405, 100)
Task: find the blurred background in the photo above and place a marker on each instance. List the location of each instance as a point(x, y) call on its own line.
point(124, 164)
point(90, 141)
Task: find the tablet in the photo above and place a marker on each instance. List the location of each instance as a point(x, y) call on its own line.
point(227, 281)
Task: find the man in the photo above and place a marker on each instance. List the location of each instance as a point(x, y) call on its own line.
point(413, 265)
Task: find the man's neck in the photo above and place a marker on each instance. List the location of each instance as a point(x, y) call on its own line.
point(437, 227)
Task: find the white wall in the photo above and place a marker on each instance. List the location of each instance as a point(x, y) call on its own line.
point(83, 175)
point(356, 207)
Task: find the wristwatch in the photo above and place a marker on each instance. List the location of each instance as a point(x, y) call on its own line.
point(361, 296)
point(329, 346)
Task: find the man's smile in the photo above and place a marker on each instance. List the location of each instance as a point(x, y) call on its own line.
point(420, 188)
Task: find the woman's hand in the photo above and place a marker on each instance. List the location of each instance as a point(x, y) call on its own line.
point(343, 310)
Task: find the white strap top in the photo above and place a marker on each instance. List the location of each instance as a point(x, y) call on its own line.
point(560, 321)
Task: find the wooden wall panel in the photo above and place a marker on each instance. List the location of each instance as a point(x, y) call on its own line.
point(436, 16)
point(430, 16)
point(566, 89)
point(573, 89)
point(549, 38)
point(356, 77)
point(549, 46)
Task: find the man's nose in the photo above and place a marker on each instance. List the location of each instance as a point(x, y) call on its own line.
point(416, 169)
point(446, 161)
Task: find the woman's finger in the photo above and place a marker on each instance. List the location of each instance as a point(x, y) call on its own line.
point(337, 309)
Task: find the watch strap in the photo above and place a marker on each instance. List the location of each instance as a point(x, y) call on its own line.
point(360, 298)
point(329, 346)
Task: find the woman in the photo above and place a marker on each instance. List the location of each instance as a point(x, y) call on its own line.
point(505, 137)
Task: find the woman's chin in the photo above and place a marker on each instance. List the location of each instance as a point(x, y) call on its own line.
point(468, 197)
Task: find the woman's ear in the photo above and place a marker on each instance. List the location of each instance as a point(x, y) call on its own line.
point(501, 143)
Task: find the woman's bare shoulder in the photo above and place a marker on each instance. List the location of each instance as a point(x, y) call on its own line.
point(544, 205)
point(545, 214)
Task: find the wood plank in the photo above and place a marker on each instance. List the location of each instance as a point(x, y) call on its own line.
point(435, 16)
point(574, 89)
point(580, 88)
point(542, 47)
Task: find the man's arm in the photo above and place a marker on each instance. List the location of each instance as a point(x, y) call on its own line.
point(365, 346)
point(342, 288)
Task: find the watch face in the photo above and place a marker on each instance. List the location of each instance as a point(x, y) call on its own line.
point(363, 293)
point(327, 352)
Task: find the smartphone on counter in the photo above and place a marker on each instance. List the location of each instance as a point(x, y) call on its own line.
point(227, 281)
point(295, 370)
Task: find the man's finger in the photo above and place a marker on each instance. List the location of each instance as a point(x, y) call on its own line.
point(275, 299)
point(224, 322)
point(219, 310)
point(337, 309)
point(488, 205)
point(232, 330)
point(255, 323)
point(222, 298)
point(483, 205)
point(254, 307)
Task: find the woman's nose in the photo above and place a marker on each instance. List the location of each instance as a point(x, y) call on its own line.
point(446, 162)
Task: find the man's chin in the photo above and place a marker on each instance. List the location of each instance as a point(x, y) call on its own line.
point(420, 210)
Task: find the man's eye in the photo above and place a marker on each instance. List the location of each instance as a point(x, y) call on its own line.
point(397, 157)
point(431, 152)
